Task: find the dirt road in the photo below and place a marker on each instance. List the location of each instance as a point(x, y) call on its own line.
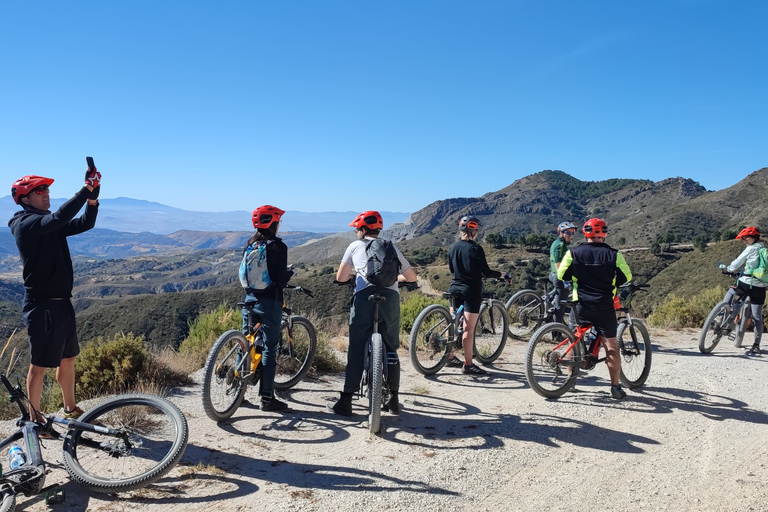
point(694, 438)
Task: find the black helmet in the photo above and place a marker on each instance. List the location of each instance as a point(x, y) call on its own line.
point(469, 223)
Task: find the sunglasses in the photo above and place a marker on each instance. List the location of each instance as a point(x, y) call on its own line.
point(42, 189)
point(569, 232)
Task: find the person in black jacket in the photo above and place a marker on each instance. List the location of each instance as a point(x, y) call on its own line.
point(265, 287)
point(596, 270)
point(41, 237)
point(466, 260)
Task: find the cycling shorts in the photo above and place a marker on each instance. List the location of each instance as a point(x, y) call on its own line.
point(52, 331)
point(472, 299)
point(603, 319)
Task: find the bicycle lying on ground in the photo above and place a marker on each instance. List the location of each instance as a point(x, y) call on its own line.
point(124, 443)
point(556, 354)
point(530, 309)
point(436, 333)
point(234, 361)
point(374, 383)
point(728, 318)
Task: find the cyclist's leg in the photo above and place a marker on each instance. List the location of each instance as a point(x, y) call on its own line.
point(604, 320)
point(360, 330)
point(270, 310)
point(559, 294)
point(757, 296)
point(468, 339)
point(389, 327)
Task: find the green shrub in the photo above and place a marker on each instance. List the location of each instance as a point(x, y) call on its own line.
point(110, 366)
point(326, 360)
point(677, 312)
point(205, 330)
point(412, 305)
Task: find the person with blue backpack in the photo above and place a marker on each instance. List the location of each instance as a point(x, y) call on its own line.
point(749, 285)
point(263, 274)
point(358, 263)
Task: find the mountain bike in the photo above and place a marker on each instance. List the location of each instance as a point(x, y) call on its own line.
point(556, 354)
point(436, 333)
point(124, 443)
point(374, 382)
point(728, 318)
point(530, 309)
point(234, 361)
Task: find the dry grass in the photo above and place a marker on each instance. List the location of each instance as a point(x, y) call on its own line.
point(420, 389)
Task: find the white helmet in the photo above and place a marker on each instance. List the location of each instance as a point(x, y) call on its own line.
point(565, 225)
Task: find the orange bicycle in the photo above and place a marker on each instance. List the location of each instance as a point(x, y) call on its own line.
point(556, 354)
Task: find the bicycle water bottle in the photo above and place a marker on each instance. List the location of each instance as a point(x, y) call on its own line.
point(16, 457)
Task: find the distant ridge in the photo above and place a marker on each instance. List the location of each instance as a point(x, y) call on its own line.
point(140, 216)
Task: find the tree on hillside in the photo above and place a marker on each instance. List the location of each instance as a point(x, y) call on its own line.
point(700, 242)
point(496, 240)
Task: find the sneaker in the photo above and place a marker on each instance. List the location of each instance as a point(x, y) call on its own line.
point(617, 392)
point(754, 351)
point(393, 404)
point(273, 405)
point(73, 414)
point(473, 369)
point(454, 362)
point(343, 406)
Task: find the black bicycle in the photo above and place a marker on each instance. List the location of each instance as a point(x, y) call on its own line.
point(728, 318)
point(124, 443)
point(530, 309)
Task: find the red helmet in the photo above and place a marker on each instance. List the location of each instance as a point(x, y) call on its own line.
point(370, 219)
point(264, 216)
point(595, 227)
point(27, 184)
point(749, 231)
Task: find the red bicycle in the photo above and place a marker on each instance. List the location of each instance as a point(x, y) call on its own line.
point(556, 354)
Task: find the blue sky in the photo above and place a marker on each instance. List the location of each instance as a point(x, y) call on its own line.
point(341, 105)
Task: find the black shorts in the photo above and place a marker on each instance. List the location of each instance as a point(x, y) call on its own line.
point(603, 319)
point(52, 331)
point(471, 299)
point(755, 293)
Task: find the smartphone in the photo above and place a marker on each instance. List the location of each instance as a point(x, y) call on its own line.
point(89, 161)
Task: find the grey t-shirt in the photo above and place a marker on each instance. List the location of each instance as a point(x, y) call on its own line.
point(355, 257)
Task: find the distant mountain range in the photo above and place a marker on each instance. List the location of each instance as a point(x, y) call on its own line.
point(139, 216)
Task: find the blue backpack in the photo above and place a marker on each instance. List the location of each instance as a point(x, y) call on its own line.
point(253, 269)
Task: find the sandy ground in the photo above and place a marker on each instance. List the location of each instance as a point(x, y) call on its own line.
point(694, 438)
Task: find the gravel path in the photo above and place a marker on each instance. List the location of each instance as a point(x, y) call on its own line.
point(694, 438)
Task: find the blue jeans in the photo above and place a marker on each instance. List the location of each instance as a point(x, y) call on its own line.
point(271, 312)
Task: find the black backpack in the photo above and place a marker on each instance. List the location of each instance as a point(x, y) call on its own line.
point(383, 264)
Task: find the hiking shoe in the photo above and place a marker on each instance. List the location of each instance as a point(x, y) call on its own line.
point(343, 406)
point(273, 405)
point(617, 392)
point(393, 404)
point(454, 362)
point(73, 414)
point(473, 369)
point(754, 351)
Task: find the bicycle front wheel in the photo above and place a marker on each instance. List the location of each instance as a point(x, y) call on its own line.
point(227, 366)
point(714, 327)
point(7, 500)
point(155, 437)
point(491, 331)
point(635, 350)
point(375, 383)
point(551, 371)
point(431, 339)
point(525, 311)
point(295, 352)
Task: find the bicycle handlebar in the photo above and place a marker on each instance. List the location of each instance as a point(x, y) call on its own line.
point(300, 289)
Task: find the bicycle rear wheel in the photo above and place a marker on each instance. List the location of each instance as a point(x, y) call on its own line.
point(635, 350)
point(224, 372)
point(156, 437)
point(491, 331)
point(714, 327)
point(7, 500)
point(431, 339)
point(375, 383)
point(544, 361)
point(525, 310)
point(294, 359)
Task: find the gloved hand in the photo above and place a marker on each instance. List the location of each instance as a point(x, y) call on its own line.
point(507, 276)
point(92, 177)
point(94, 194)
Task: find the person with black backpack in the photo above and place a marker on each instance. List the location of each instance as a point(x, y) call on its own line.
point(263, 274)
point(467, 263)
point(377, 266)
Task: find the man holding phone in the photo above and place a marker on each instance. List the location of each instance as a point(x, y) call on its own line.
point(41, 237)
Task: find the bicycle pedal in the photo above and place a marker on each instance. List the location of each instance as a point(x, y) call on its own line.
point(732, 336)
